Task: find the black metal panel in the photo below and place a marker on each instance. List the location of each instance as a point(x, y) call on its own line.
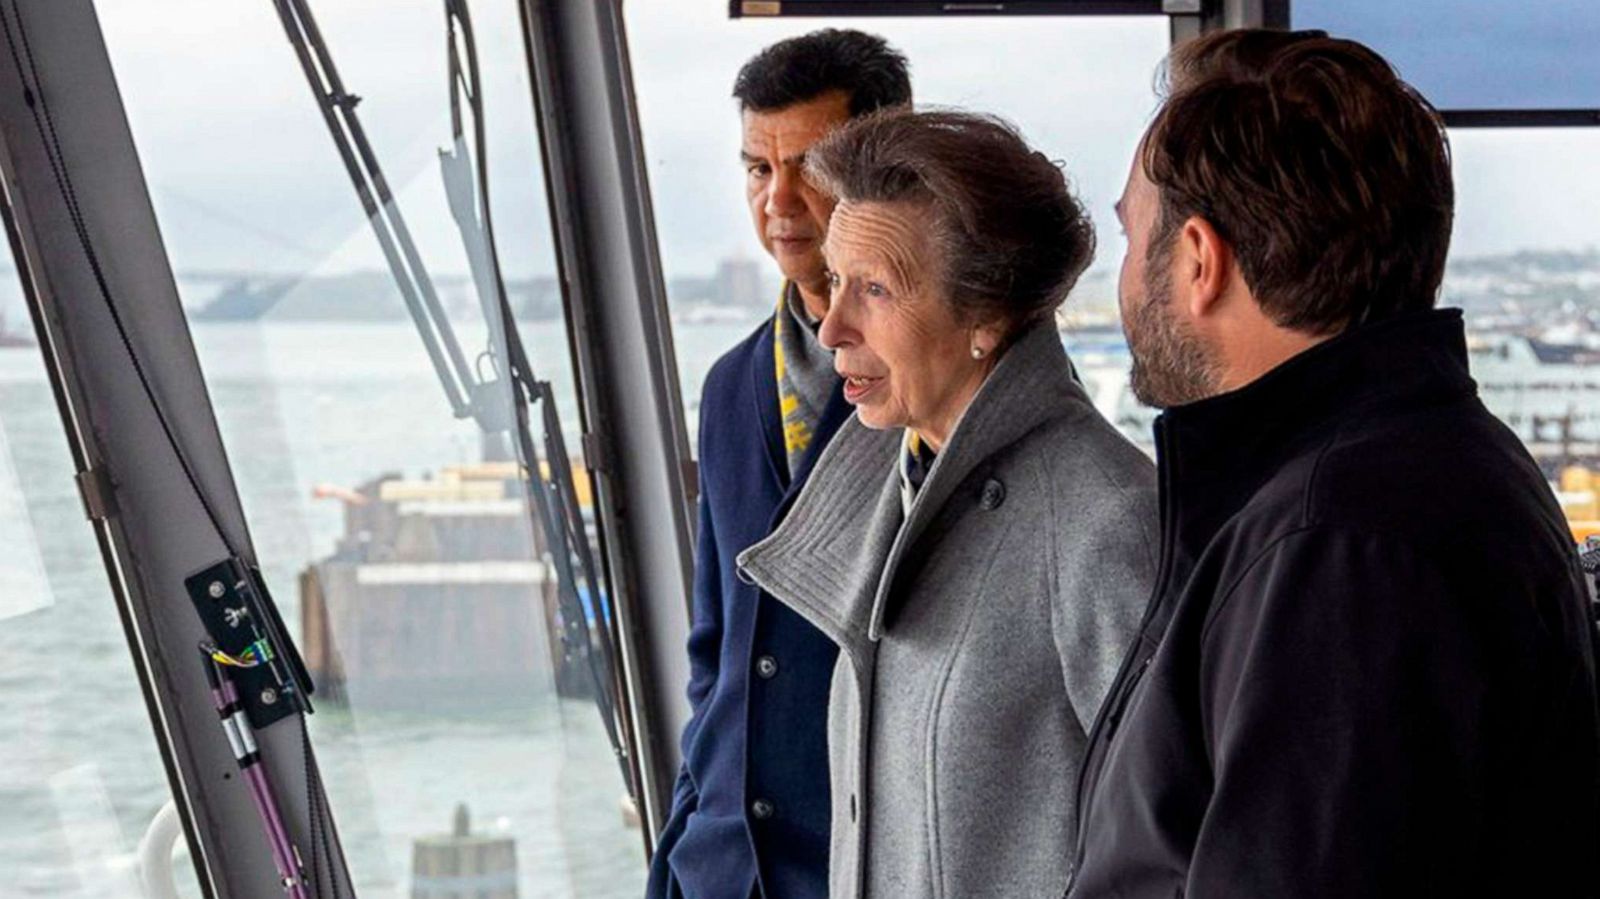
point(238, 613)
point(1275, 13)
point(636, 441)
point(1521, 118)
point(770, 8)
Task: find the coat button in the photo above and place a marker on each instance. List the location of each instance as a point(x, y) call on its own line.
point(994, 493)
point(766, 666)
point(761, 809)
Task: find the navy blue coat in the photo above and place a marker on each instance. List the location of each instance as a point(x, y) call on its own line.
point(751, 802)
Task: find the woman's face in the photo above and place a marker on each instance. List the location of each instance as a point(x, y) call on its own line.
point(906, 358)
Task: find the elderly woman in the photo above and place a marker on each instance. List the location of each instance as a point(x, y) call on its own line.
point(977, 539)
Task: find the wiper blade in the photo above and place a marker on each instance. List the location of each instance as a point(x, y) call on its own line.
point(551, 489)
point(510, 385)
point(394, 238)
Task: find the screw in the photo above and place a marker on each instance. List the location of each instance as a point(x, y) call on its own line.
point(269, 696)
point(216, 589)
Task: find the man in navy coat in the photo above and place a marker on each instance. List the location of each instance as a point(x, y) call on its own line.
point(750, 812)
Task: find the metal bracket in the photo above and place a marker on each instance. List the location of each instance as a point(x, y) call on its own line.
point(691, 478)
point(594, 454)
point(96, 491)
point(239, 617)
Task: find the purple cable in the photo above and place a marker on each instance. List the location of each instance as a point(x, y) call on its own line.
point(242, 740)
point(277, 834)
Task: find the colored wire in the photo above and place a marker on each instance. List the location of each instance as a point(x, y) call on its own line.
point(253, 656)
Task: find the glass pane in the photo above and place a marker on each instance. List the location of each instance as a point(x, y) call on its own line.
point(1525, 268)
point(1477, 54)
point(1088, 112)
point(74, 807)
point(395, 533)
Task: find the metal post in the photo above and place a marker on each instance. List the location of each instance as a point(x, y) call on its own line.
point(1192, 18)
point(636, 440)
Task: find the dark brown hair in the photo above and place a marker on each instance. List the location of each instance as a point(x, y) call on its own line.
point(1327, 174)
point(802, 68)
point(1011, 237)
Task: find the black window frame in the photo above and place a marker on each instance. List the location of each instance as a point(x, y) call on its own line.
point(740, 9)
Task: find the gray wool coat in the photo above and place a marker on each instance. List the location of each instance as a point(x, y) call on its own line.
point(979, 632)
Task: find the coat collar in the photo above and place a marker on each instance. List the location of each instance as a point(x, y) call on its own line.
point(765, 396)
point(1214, 453)
point(834, 557)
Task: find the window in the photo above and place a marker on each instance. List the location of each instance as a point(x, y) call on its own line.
point(409, 567)
point(394, 532)
point(1525, 268)
point(82, 778)
point(1079, 88)
point(1525, 265)
point(1481, 54)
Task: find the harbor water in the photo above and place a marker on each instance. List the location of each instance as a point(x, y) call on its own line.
point(299, 405)
point(302, 405)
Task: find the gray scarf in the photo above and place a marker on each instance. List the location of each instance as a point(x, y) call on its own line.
point(806, 378)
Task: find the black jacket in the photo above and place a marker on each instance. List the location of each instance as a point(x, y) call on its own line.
point(1367, 669)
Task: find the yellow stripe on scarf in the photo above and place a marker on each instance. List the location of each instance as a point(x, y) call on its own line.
point(797, 434)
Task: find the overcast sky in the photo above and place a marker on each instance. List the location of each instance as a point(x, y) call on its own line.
point(245, 177)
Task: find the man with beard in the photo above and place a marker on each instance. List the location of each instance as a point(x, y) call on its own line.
point(1367, 668)
point(750, 812)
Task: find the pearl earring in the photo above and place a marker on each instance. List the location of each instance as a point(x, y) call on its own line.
point(977, 351)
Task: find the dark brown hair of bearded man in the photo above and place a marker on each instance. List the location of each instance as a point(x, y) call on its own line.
point(1327, 174)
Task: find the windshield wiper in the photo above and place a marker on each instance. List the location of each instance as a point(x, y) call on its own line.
point(510, 384)
point(553, 492)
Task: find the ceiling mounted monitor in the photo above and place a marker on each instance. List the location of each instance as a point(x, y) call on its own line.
point(767, 8)
point(1481, 62)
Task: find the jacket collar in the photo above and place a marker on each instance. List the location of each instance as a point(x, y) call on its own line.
point(765, 395)
point(834, 558)
point(1214, 454)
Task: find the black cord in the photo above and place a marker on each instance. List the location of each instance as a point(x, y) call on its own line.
point(44, 122)
point(321, 826)
point(562, 525)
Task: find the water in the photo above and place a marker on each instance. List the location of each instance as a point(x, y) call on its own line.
point(335, 403)
point(299, 405)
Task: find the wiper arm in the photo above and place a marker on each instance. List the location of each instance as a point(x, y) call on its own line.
point(551, 489)
point(510, 384)
point(394, 238)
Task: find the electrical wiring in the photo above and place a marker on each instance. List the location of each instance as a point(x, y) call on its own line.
point(258, 653)
point(247, 755)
